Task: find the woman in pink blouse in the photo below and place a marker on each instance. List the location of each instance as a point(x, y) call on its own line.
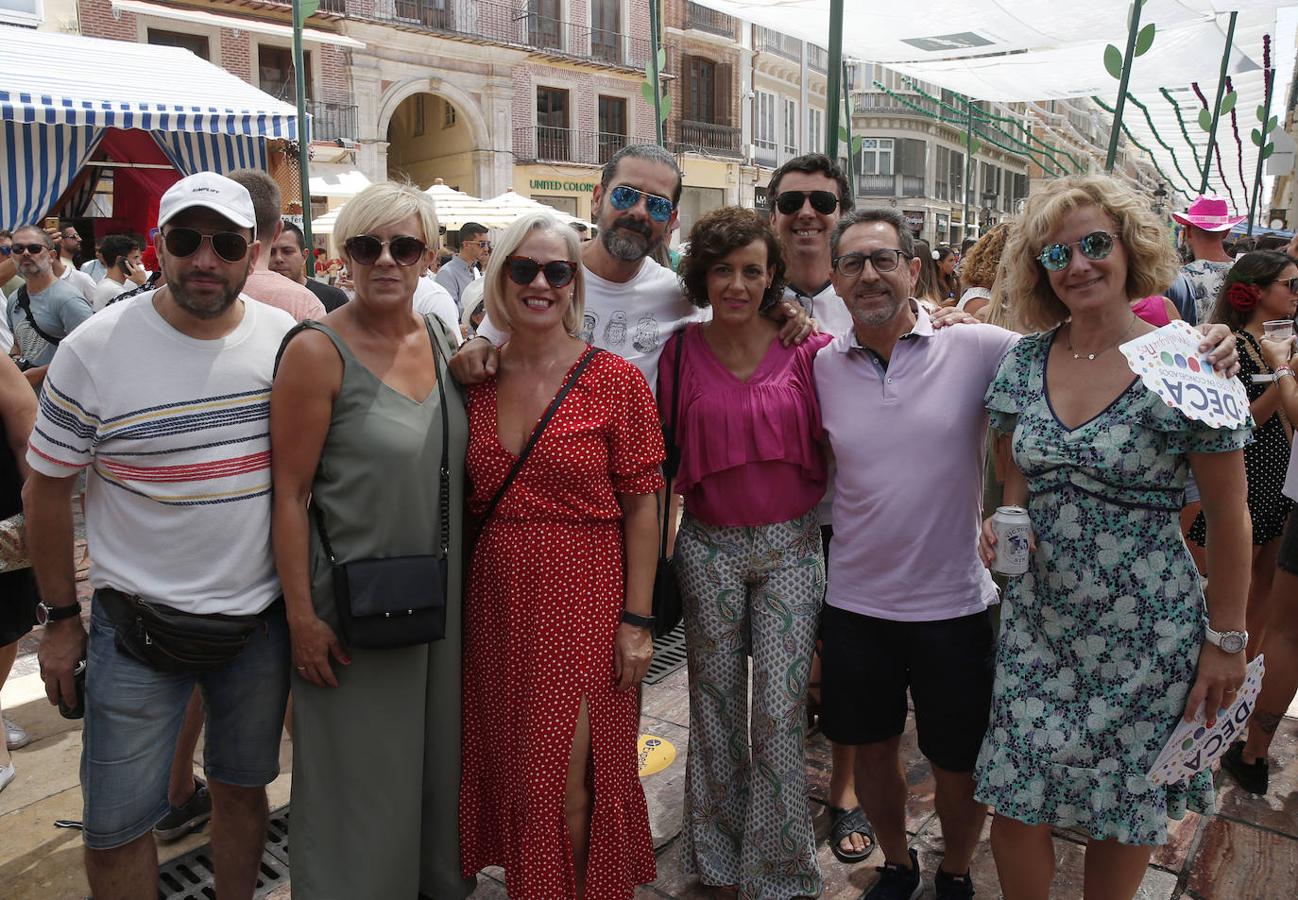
point(749, 560)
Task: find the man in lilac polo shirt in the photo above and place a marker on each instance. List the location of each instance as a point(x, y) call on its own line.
point(906, 607)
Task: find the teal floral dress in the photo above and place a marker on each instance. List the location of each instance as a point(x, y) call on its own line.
point(1100, 639)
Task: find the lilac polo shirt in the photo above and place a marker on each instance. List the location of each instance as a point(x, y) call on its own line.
point(909, 444)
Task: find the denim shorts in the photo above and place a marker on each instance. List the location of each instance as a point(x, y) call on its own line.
point(134, 714)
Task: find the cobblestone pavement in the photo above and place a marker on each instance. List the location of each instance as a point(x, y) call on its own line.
point(1249, 851)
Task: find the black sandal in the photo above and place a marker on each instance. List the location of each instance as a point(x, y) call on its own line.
point(844, 822)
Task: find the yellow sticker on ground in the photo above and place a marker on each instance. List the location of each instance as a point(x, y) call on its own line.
point(656, 754)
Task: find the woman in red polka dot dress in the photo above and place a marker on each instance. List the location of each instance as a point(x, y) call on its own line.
point(552, 651)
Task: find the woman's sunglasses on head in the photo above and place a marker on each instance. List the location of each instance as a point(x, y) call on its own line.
point(522, 270)
point(790, 202)
point(365, 249)
point(1096, 245)
point(624, 197)
point(182, 242)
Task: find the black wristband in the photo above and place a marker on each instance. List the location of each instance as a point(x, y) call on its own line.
point(630, 618)
point(46, 613)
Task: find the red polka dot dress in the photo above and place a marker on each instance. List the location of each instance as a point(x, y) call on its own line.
point(545, 591)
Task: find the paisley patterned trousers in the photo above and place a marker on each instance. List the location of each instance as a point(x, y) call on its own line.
point(750, 591)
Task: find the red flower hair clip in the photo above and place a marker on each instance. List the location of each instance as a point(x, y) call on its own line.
point(1243, 296)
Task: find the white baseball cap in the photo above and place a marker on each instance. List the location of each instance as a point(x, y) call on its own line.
point(210, 191)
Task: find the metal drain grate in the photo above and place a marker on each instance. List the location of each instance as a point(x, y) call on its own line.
point(669, 655)
point(192, 876)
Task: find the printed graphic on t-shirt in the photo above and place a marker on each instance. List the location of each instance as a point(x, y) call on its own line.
point(615, 331)
point(646, 334)
point(587, 333)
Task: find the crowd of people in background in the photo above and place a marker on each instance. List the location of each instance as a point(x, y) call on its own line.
point(425, 503)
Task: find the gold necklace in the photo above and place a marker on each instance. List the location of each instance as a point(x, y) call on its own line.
point(1068, 340)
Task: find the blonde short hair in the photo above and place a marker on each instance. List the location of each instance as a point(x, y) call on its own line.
point(508, 244)
point(1151, 261)
point(386, 203)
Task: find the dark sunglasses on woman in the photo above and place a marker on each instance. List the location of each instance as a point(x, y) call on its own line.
point(790, 202)
point(1096, 245)
point(522, 270)
point(365, 249)
point(624, 197)
point(229, 245)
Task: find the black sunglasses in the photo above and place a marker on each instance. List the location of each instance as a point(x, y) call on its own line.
point(31, 249)
point(523, 269)
point(789, 202)
point(365, 249)
point(229, 245)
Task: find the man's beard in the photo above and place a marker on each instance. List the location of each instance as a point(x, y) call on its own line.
point(627, 239)
point(876, 315)
point(201, 308)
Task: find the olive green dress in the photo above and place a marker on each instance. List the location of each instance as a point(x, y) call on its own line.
point(376, 761)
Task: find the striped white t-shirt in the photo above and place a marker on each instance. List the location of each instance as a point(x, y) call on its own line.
point(175, 431)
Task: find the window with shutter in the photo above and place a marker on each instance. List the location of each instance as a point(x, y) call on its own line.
point(721, 90)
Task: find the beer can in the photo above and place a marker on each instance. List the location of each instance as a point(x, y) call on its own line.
point(1013, 530)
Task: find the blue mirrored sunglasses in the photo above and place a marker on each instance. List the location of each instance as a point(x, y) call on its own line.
point(624, 197)
point(1096, 245)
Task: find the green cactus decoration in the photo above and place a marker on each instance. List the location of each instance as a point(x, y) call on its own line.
point(664, 100)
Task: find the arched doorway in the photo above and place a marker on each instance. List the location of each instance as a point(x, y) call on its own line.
point(429, 138)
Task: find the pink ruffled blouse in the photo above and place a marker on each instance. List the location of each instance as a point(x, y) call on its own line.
point(751, 450)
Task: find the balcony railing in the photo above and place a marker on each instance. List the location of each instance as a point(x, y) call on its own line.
point(707, 138)
point(817, 58)
point(503, 23)
point(912, 185)
point(701, 18)
point(331, 7)
point(330, 121)
point(547, 143)
point(876, 185)
point(778, 43)
point(880, 103)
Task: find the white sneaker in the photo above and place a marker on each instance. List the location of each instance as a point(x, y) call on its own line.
point(15, 735)
point(7, 774)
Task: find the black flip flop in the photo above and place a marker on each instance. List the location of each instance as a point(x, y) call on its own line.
point(844, 822)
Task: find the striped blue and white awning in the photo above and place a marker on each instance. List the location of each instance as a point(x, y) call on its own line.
point(62, 79)
point(59, 93)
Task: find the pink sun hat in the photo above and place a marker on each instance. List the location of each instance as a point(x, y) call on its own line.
point(1210, 214)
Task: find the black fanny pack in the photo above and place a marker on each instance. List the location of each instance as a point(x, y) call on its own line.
point(171, 640)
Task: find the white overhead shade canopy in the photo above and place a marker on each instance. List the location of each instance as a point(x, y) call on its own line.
point(919, 30)
point(1028, 50)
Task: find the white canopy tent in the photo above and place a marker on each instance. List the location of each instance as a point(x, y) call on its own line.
point(1025, 50)
point(343, 185)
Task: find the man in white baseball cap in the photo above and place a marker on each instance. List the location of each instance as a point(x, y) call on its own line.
point(164, 398)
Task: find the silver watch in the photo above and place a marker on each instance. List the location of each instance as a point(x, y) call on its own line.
point(1229, 641)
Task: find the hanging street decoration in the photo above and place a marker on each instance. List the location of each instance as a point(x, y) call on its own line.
point(1209, 117)
point(1118, 64)
point(1268, 123)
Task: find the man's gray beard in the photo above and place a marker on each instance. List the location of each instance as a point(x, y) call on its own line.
point(624, 248)
point(875, 317)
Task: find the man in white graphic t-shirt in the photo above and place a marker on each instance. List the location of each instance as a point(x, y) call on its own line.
point(633, 305)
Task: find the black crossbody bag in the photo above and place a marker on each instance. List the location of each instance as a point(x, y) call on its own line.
point(25, 304)
point(536, 436)
point(389, 602)
point(668, 607)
